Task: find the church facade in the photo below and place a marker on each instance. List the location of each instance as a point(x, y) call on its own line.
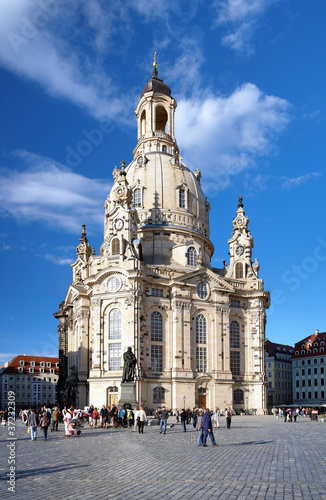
point(198, 333)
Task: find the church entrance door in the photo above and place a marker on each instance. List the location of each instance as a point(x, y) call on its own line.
point(201, 400)
point(112, 396)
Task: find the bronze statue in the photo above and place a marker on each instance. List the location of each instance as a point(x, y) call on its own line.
point(129, 366)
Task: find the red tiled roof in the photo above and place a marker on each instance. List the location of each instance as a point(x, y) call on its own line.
point(15, 363)
point(314, 337)
point(273, 348)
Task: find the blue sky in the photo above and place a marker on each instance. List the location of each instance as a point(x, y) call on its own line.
point(249, 79)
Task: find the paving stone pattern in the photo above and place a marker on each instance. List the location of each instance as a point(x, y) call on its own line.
point(258, 458)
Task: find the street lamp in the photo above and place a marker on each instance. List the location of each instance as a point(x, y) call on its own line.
point(184, 402)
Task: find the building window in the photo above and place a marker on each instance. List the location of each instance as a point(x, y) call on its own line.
point(191, 256)
point(182, 198)
point(201, 329)
point(235, 303)
point(164, 149)
point(156, 327)
point(322, 349)
point(315, 361)
point(234, 335)
point(157, 292)
point(235, 362)
point(201, 359)
point(22, 362)
point(158, 395)
point(41, 370)
point(31, 370)
point(115, 324)
point(296, 353)
point(303, 383)
point(303, 352)
point(316, 394)
point(202, 290)
point(20, 369)
point(238, 270)
point(137, 197)
point(32, 363)
point(114, 356)
point(157, 358)
point(238, 396)
point(269, 374)
point(115, 246)
point(42, 363)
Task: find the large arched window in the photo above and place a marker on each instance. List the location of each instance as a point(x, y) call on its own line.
point(161, 118)
point(201, 329)
point(191, 256)
point(239, 270)
point(115, 246)
point(156, 327)
point(238, 396)
point(158, 395)
point(115, 324)
point(137, 197)
point(234, 334)
point(235, 348)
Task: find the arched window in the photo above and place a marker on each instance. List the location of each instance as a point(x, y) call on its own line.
point(143, 123)
point(158, 395)
point(182, 198)
point(115, 324)
point(234, 335)
point(161, 118)
point(238, 270)
point(164, 149)
point(238, 396)
point(315, 350)
point(137, 197)
point(201, 329)
point(303, 352)
point(113, 389)
point(115, 246)
point(156, 327)
point(191, 256)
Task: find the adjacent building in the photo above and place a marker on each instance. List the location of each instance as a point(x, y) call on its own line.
point(32, 379)
point(198, 332)
point(279, 373)
point(308, 370)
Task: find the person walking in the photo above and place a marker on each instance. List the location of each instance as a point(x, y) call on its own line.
point(136, 419)
point(163, 421)
point(55, 419)
point(142, 420)
point(208, 429)
point(32, 423)
point(183, 418)
point(228, 416)
point(216, 418)
point(44, 425)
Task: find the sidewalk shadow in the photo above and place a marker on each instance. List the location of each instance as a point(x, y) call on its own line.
point(43, 471)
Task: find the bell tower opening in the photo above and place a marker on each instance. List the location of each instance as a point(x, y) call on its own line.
point(161, 118)
point(143, 123)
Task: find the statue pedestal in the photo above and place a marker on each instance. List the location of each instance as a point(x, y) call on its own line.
point(128, 394)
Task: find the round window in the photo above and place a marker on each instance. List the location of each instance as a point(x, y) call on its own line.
point(113, 284)
point(202, 290)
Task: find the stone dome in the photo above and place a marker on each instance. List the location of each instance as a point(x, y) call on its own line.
point(157, 85)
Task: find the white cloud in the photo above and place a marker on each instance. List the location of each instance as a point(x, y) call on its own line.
point(37, 43)
point(48, 192)
point(223, 135)
point(289, 183)
point(241, 18)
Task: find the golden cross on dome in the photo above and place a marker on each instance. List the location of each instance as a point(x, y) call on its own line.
point(154, 62)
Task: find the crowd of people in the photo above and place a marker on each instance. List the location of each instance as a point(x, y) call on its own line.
point(109, 417)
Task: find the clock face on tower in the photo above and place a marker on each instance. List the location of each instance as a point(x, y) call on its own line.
point(118, 224)
point(239, 221)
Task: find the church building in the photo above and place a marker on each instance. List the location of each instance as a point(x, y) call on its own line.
point(198, 333)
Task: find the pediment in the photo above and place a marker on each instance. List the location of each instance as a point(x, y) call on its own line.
point(73, 292)
point(213, 279)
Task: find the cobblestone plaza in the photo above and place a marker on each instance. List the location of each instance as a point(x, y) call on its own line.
point(258, 458)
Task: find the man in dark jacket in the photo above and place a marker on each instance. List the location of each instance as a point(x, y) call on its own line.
point(207, 428)
point(183, 418)
point(164, 417)
point(32, 423)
